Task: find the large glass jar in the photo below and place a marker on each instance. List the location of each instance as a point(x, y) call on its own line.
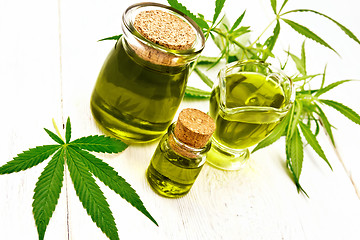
point(142, 83)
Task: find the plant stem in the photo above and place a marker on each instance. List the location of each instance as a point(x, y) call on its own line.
point(57, 129)
point(245, 49)
point(197, 60)
point(257, 39)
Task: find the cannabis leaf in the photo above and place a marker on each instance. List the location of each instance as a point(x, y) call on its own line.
point(273, 5)
point(346, 111)
point(204, 78)
point(47, 192)
point(82, 167)
point(275, 135)
point(270, 42)
point(342, 27)
point(219, 4)
point(199, 21)
point(307, 33)
point(237, 22)
point(311, 139)
point(197, 93)
point(295, 156)
point(306, 115)
point(116, 37)
point(29, 158)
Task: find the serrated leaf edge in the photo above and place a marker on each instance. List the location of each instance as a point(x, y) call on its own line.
point(311, 139)
point(26, 158)
point(110, 178)
point(100, 143)
point(307, 33)
point(90, 195)
point(47, 192)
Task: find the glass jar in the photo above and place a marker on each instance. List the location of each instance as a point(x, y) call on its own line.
point(175, 165)
point(141, 83)
point(249, 101)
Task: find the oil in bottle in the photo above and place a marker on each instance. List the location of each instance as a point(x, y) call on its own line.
point(180, 155)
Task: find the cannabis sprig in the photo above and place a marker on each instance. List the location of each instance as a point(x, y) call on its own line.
point(228, 37)
point(82, 166)
point(306, 115)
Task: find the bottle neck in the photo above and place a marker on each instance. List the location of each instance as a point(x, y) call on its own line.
point(183, 148)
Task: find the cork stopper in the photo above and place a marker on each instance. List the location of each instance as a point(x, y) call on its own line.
point(165, 29)
point(194, 127)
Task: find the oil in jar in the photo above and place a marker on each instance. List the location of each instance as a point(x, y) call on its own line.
point(136, 100)
point(143, 79)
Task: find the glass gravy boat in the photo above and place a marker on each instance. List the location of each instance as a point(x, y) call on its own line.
point(249, 101)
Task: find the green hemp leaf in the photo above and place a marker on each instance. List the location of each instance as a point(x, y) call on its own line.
point(82, 167)
point(306, 115)
point(234, 44)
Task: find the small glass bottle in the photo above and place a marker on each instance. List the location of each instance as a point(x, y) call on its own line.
point(180, 155)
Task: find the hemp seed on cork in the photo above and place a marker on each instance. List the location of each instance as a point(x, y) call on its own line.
point(165, 29)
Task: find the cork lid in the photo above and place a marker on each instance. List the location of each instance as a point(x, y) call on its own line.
point(165, 29)
point(194, 127)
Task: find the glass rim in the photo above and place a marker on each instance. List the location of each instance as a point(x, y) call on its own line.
point(128, 28)
point(185, 146)
point(222, 88)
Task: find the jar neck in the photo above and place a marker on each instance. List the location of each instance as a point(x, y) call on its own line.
point(153, 52)
point(146, 59)
point(183, 148)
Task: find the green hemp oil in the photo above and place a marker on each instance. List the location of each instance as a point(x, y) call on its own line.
point(180, 155)
point(136, 100)
point(143, 80)
point(240, 130)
